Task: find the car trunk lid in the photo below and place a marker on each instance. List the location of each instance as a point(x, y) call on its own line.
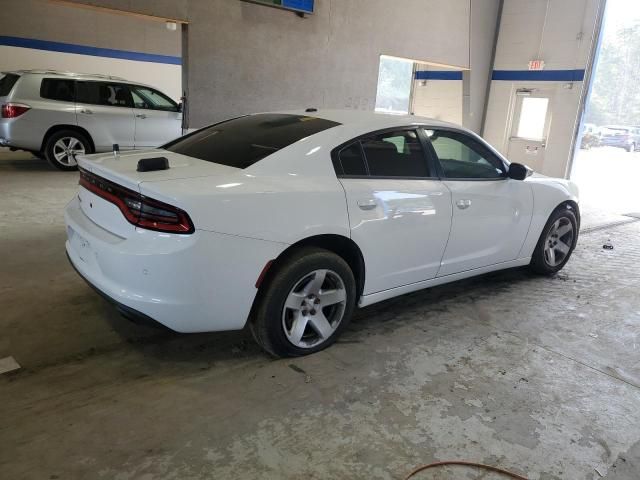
point(121, 171)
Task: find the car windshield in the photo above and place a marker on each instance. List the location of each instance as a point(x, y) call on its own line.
point(243, 141)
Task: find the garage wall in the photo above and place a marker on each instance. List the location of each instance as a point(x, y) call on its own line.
point(37, 34)
point(560, 32)
point(245, 57)
point(437, 94)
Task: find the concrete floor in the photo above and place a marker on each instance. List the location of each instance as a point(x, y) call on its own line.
point(537, 375)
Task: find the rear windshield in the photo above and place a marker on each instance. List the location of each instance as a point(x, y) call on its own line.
point(7, 81)
point(243, 141)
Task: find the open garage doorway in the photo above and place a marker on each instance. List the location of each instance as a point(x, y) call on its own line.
point(420, 88)
point(606, 164)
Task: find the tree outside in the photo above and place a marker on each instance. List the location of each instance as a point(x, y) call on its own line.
point(615, 95)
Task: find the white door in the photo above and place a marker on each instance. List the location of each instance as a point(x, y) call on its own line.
point(491, 212)
point(104, 110)
point(530, 127)
point(399, 214)
point(158, 118)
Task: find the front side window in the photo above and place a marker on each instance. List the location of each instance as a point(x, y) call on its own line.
point(463, 157)
point(152, 99)
point(395, 154)
point(58, 89)
point(243, 141)
point(103, 93)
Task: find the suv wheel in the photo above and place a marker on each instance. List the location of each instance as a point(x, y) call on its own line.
point(62, 147)
point(306, 305)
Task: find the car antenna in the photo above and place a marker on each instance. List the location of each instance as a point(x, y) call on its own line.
point(116, 150)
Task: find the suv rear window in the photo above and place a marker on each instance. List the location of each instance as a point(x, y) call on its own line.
point(7, 81)
point(243, 141)
point(58, 89)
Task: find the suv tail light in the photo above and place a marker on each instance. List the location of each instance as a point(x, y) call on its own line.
point(141, 211)
point(13, 110)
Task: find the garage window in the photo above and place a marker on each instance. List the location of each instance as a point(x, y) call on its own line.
point(243, 141)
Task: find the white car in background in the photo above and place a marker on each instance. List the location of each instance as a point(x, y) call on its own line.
point(289, 220)
point(58, 115)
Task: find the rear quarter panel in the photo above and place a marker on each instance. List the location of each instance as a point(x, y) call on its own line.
point(284, 205)
point(28, 130)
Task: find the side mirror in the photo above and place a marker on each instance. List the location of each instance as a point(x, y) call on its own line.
point(518, 171)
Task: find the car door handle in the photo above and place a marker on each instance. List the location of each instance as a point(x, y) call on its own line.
point(463, 204)
point(369, 204)
point(87, 111)
point(141, 115)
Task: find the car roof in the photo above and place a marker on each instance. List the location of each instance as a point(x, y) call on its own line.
point(75, 75)
point(369, 120)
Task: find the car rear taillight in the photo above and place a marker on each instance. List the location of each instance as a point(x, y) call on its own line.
point(141, 211)
point(13, 110)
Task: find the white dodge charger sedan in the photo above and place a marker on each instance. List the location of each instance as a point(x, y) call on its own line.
point(289, 220)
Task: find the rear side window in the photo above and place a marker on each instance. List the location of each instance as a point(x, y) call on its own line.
point(103, 93)
point(243, 141)
point(351, 160)
point(58, 89)
point(7, 81)
point(395, 154)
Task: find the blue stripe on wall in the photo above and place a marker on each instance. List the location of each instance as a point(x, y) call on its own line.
point(539, 75)
point(86, 50)
point(438, 75)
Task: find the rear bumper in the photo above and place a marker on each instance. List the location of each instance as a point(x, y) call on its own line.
point(188, 283)
point(18, 133)
point(128, 312)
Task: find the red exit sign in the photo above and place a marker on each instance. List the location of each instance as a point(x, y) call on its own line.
point(536, 64)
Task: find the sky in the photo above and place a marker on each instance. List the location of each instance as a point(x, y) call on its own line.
point(622, 13)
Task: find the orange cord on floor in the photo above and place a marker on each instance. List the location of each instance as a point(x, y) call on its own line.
point(466, 464)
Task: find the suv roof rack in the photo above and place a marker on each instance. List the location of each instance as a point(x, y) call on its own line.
point(71, 74)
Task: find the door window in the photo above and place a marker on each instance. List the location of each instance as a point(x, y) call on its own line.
point(102, 93)
point(463, 157)
point(57, 89)
point(533, 117)
point(152, 99)
point(395, 154)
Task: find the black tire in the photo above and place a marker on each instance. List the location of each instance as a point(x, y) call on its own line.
point(51, 145)
point(540, 263)
point(270, 318)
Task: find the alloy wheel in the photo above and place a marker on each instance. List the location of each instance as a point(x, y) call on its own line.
point(314, 308)
point(558, 243)
point(65, 150)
